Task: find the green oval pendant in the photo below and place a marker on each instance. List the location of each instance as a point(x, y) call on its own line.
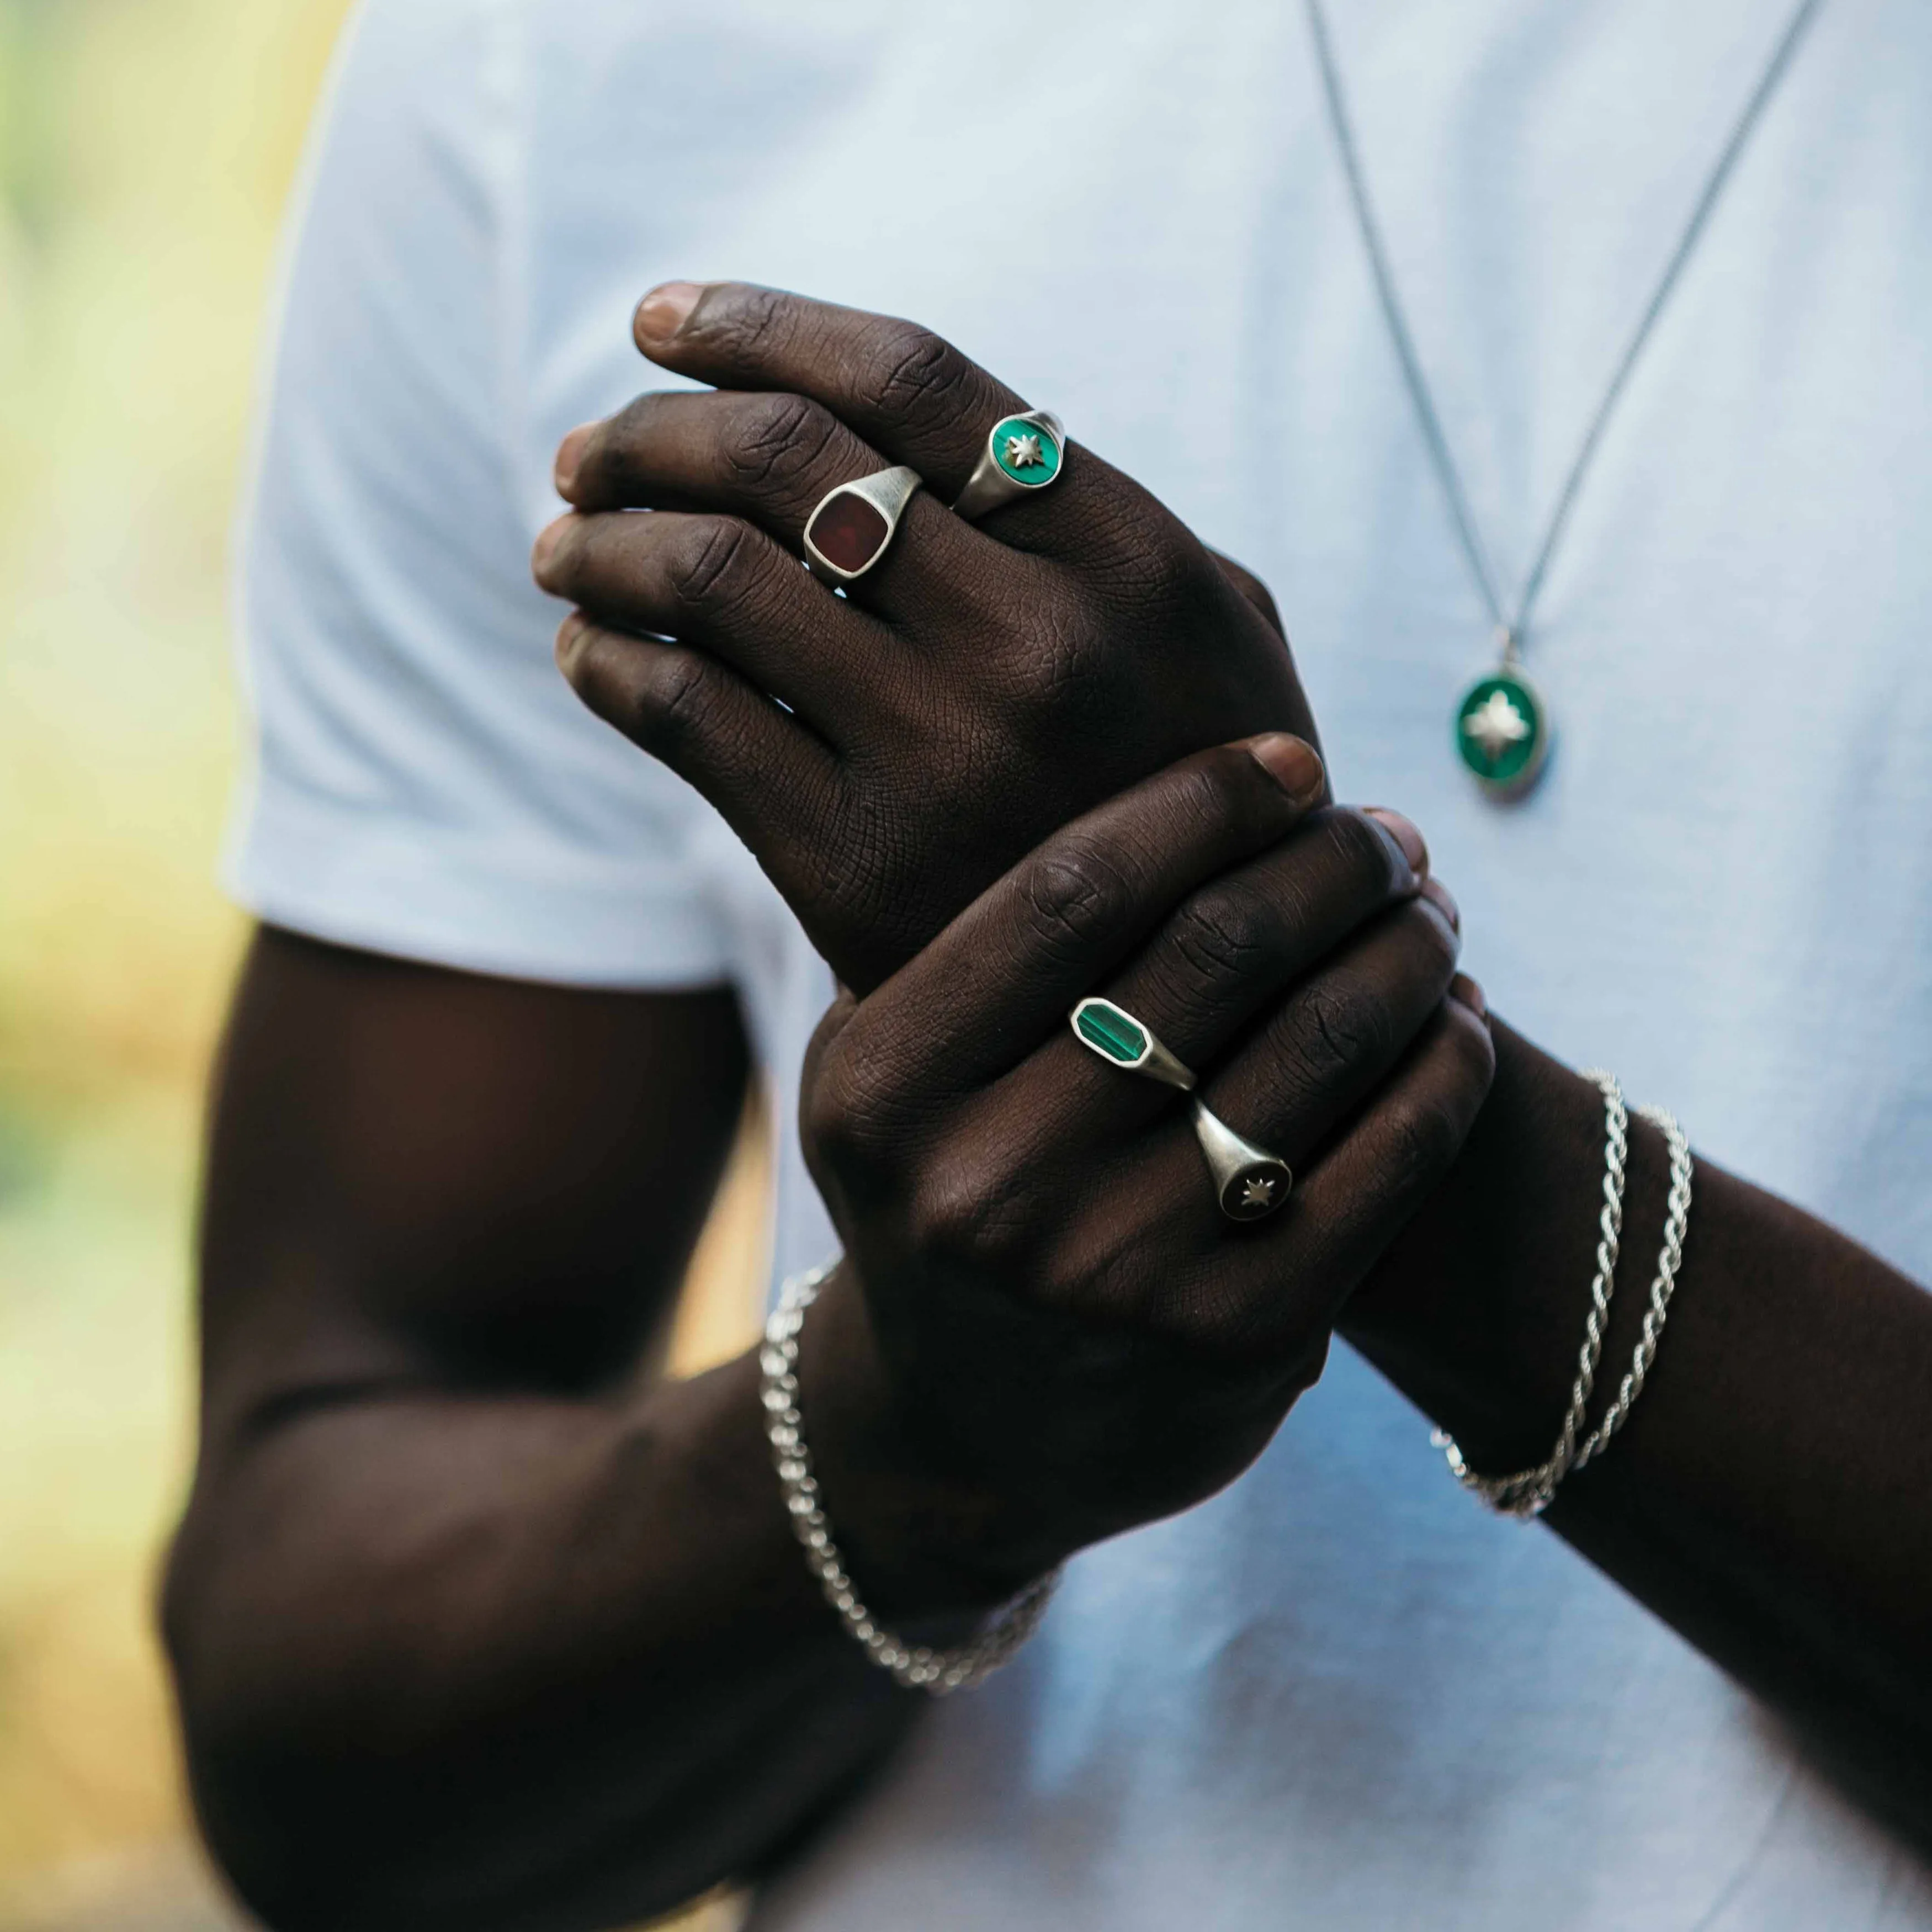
point(1502, 732)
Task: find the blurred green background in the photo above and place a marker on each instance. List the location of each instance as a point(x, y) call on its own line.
point(146, 150)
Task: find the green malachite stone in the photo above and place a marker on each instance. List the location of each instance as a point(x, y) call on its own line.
point(1502, 732)
point(1015, 438)
point(1109, 1030)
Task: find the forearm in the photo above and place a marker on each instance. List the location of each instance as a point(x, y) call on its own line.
point(1772, 1494)
point(508, 1662)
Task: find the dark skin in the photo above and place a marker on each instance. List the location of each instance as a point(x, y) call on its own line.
point(477, 1621)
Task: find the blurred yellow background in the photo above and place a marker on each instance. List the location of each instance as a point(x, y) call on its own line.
point(146, 150)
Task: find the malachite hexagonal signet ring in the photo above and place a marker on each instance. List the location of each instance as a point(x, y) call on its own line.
point(1122, 1041)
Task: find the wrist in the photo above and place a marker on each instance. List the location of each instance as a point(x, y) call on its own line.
point(924, 1536)
point(1474, 1310)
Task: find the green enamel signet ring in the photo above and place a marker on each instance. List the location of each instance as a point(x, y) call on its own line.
point(1023, 452)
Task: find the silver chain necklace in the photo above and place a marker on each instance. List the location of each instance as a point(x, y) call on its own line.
point(1502, 725)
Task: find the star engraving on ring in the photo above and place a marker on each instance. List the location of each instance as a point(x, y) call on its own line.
point(1496, 724)
point(1257, 1191)
point(1023, 452)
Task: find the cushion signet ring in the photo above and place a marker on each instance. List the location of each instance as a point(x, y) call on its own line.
point(851, 527)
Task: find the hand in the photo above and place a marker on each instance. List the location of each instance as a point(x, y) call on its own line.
point(979, 687)
point(1046, 1330)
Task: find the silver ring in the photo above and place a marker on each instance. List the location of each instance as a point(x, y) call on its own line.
point(851, 527)
point(1023, 452)
point(1120, 1040)
point(1249, 1182)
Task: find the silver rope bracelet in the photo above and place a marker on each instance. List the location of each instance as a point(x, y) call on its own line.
point(1526, 1494)
point(917, 1667)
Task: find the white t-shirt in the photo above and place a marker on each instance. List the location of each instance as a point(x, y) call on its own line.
point(1339, 1696)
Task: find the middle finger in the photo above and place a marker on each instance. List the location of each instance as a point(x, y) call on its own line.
point(908, 391)
point(772, 459)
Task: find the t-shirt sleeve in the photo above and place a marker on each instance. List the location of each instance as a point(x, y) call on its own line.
point(423, 782)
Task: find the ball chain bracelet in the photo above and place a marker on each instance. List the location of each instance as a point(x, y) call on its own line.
point(1527, 1494)
point(937, 1672)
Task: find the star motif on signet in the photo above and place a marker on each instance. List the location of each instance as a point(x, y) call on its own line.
point(1496, 724)
point(1257, 1191)
point(1023, 452)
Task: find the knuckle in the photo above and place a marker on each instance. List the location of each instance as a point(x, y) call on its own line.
point(1424, 1137)
point(774, 440)
point(957, 1220)
point(1171, 573)
point(560, 569)
point(1434, 949)
point(614, 451)
point(1475, 1051)
point(863, 1112)
point(1224, 933)
point(675, 704)
point(1074, 898)
point(746, 326)
point(1364, 851)
point(1063, 660)
point(1341, 1030)
point(1224, 787)
point(710, 567)
point(921, 373)
point(835, 1118)
point(1259, 595)
point(1074, 1273)
point(1214, 1317)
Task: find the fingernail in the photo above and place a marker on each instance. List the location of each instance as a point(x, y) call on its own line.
point(1465, 989)
point(545, 547)
point(569, 455)
point(568, 632)
point(665, 310)
point(1404, 833)
point(1292, 764)
point(1439, 896)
